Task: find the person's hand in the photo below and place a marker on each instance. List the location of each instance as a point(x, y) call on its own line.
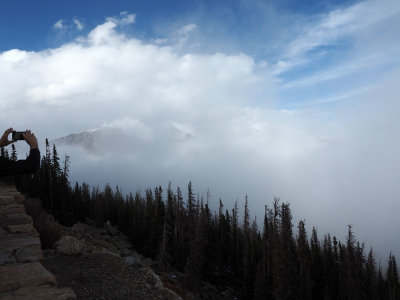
point(4, 141)
point(30, 139)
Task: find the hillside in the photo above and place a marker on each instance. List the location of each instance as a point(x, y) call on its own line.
point(96, 263)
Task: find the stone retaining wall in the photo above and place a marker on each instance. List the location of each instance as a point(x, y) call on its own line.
point(22, 276)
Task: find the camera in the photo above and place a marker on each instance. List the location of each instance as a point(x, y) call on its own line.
point(17, 135)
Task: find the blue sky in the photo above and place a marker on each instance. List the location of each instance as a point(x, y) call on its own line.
point(261, 29)
point(294, 99)
point(27, 24)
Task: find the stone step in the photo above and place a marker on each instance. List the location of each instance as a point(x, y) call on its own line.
point(15, 219)
point(17, 196)
point(4, 239)
point(8, 190)
point(24, 247)
point(4, 200)
point(20, 228)
point(8, 186)
point(11, 208)
point(43, 292)
point(18, 276)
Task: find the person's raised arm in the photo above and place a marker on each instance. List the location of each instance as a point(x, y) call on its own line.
point(19, 167)
point(30, 139)
point(4, 141)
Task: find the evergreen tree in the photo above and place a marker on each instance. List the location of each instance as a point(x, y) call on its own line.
point(14, 155)
point(264, 278)
point(392, 278)
point(371, 278)
point(317, 268)
point(304, 263)
point(214, 247)
point(166, 253)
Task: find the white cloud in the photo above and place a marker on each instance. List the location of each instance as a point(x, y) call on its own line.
point(356, 28)
point(209, 119)
point(179, 38)
point(14, 56)
point(187, 29)
point(59, 24)
point(123, 19)
point(78, 24)
point(128, 19)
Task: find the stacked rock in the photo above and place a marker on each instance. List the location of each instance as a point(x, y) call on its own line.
point(22, 276)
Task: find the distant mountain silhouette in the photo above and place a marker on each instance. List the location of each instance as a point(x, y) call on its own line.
point(109, 139)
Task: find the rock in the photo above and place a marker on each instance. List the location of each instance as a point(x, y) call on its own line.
point(6, 259)
point(7, 197)
point(21, 275)
point(155, 282)
point(43, 292)
point(101, 276)
point(123, 246)
point(126, 252)
point(12, 208)
point(110, 229)
point(69, 245)
point(79, 227)
point(137, 255)
point(17, 219)
point(19, 198)
point(7, 187)
point(20, 248)
point(49, 252)
point(20, 228)
point(147, 262)
point(2, 231)
point(107, 246)
point(4, 200)
point(131, 261)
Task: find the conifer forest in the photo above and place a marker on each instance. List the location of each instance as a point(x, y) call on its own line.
point(274, 260)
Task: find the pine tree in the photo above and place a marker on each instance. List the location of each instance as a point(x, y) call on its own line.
point(264, 276)
point(304, 263)
point(317, 268)
point(392, 278)
point(6, 155)
point(180, 246)
point(382, 290)
point(14, 155)
point(192, 213)
point(246, 242)
point(166, 252)
point(371, 279)
point(287, 274)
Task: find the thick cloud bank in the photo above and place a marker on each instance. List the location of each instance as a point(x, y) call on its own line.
point(212, 119)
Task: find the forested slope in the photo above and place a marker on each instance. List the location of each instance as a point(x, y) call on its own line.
point(178, 229)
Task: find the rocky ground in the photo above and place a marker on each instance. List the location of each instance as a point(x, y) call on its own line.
point(99, 263)
point(83, 261)
point(106, 276)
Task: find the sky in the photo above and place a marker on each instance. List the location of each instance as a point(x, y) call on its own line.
point(289, 99)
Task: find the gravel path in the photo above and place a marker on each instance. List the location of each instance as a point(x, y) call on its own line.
point(103, 276)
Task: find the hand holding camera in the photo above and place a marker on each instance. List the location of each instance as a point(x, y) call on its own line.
point(27, 135)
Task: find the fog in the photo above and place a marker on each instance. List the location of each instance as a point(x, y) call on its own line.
point(214, 119)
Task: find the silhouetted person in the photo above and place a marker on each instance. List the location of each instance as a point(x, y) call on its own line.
point(30, 165)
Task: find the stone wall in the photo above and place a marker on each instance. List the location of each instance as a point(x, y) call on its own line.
point(22, 276)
